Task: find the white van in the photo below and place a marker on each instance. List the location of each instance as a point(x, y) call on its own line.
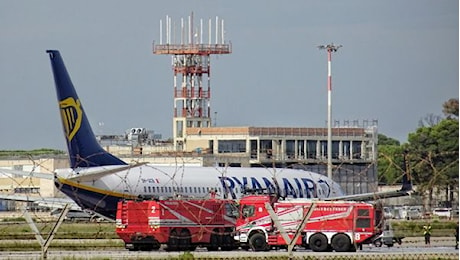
point(442, 212)
point(73, 215)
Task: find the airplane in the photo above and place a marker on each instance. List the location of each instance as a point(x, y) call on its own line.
point(97, 180)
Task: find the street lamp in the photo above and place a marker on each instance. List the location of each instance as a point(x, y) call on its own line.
point(329, 48)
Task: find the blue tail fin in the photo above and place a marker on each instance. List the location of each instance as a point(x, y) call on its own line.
point(84, 150)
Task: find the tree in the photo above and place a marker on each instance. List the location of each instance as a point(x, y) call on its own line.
point(434, 157)
point(429, 120)
point(389, 160)
point(390, 164)
point(450, 108)
point(385, 140)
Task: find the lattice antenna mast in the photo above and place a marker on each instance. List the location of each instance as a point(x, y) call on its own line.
point(329, 48)
point(191, 64)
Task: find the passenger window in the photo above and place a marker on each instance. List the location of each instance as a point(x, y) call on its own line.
point(363, 223)
point(363, 212)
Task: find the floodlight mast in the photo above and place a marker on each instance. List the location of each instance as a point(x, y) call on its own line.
point(329, 48)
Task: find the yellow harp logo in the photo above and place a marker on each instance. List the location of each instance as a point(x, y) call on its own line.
point(71, 115)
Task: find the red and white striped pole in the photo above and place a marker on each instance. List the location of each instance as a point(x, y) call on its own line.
point(329, 48)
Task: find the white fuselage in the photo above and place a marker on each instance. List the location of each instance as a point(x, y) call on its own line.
point(199, 182)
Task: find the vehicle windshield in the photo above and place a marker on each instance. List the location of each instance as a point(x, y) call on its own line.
point(248, 211)
point(231, 210)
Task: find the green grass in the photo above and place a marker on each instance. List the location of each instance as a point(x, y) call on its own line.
point(36, 152)
point(16, 230)
point(71, 245)
point(414, 228)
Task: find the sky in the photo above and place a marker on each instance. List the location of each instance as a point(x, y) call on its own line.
point(398, 64)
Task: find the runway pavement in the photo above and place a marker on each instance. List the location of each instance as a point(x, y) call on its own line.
point(411, 248)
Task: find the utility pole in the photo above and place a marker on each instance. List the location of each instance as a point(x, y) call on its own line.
point(329, 48)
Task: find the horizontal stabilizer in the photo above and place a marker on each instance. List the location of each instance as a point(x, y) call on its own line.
point(97, 174)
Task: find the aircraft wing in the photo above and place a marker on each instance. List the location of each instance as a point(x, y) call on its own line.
point(373, 195)
point(50, 202)
point(405, 190)
point(8, 172)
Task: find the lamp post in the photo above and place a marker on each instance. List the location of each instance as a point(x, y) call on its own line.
point(329, 48)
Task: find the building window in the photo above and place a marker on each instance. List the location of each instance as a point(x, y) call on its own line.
point(26, 190)
point(232, 146)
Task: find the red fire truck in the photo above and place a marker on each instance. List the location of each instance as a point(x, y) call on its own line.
point(332, 225)
point(181, 224)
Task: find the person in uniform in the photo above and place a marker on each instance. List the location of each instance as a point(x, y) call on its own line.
point(427, 234)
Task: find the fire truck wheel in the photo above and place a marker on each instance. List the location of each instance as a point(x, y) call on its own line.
point(378, 243)
point(213, 243)
point(318, 242)
point(227, 243)
point(341, 243)
point(185, 240)
point(156, 246)
point(258, 242)
point(173, 241)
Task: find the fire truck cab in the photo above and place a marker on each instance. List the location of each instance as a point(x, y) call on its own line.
point(181, 224)
point(333, 225)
